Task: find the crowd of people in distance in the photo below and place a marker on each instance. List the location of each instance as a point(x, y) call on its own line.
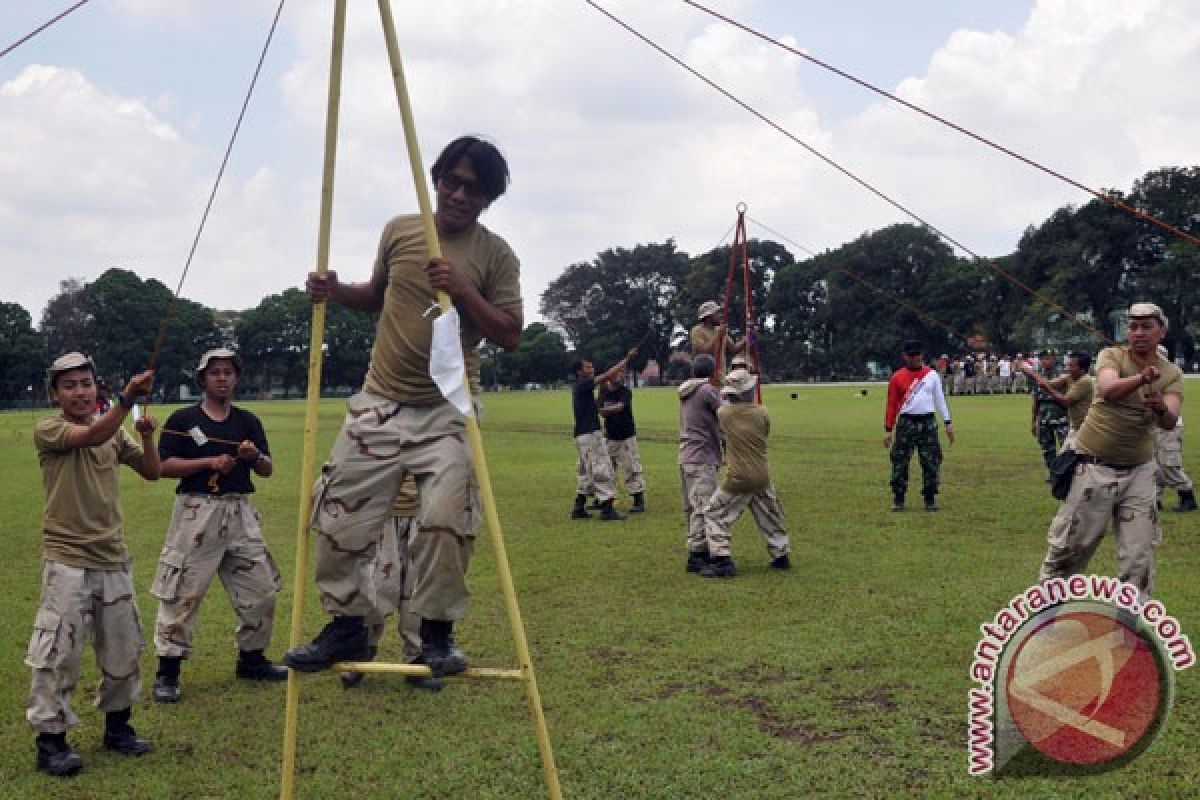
point(982, 373)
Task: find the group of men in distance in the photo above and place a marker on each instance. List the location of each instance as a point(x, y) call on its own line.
point(1120, 429)
point(395, 510)
point(981, 373)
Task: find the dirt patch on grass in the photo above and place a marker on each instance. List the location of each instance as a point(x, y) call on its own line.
point(776, 726)
point(879, 698)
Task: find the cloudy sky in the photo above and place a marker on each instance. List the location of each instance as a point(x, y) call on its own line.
point(114, 121)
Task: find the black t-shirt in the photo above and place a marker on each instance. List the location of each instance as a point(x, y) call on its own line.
point(583, 402)
point(238, 426)
point(619, 426)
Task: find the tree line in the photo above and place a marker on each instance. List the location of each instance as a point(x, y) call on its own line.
point(830, 314)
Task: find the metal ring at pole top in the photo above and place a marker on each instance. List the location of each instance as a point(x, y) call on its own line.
point(741, 208)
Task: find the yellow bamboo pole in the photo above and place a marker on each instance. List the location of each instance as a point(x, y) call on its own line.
point(525, 662)
point(312, 401)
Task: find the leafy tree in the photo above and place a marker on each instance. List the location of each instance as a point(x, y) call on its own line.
point(22, 356)
point(67, 320)
point(273, 341)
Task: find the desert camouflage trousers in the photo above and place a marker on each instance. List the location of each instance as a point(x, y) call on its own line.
point(1100, 494)
point(380, 442)
point(79, 605)
point(920, 434)
point(1168, 454)
point(214, 535)
point(623, 453)
point(393, 577)
point(699, 482)
point(723, 510)
point(594, 469)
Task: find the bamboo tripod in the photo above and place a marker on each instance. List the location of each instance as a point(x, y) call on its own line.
point(524, 671)
point(739, 257)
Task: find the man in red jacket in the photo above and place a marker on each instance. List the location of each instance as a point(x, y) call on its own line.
point(913, 393)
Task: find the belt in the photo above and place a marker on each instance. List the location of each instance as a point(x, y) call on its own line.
point(918, 416)
point(1088, 458)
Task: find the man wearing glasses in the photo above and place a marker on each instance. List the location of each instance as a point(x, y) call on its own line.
point(400, 424)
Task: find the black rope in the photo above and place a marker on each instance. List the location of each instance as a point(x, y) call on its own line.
point(38, 30)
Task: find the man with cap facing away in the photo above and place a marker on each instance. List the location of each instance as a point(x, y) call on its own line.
point(214, 530)
point(708, 332)
point(914, 392)
point(744, 427)
point(1168, 453)
point(1137, 391)
point(699, 454)
point(87, 583)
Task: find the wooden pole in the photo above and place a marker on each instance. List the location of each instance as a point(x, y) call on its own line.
point(312, 402)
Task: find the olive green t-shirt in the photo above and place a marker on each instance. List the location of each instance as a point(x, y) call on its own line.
point(703, 336)
point(82, 524)
point(1081, 391)
point(399, 367)
point(745, 427)
point(1121, 431)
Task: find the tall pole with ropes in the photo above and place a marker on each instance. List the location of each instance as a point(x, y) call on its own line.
point(739, 258)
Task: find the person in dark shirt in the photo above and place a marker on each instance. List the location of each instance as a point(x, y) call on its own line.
point(594, 467)
point(212, 447)
point(620, 432)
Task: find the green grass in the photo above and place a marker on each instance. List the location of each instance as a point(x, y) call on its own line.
point(846, 677)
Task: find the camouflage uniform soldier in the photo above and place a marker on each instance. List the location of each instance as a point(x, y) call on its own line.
point(400, 423)
point(87, 583)
point(914, 392)
point(1136, 391)
point(1048, 418)
point(1073, 391)
point(594, 467)
point(1168, 454)
point(699, 454)
point(620, 435)
point(215, 531)
point(393, 577)
point(745, 427)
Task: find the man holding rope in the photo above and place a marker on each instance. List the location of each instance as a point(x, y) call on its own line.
point(708, 333)
point(400, 423)
point(913, 393)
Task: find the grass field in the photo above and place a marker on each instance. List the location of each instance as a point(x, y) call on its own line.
point(846, 677)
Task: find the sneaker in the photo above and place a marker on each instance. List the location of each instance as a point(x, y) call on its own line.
point(252, 665)
point(781, 562)
point(697, 560)
point(343, 639)
point(55, 757)
point(719, 567)
point(579, 513)
point(166, 689)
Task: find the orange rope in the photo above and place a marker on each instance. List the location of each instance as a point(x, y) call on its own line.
point(1107, 198)
point(860, 181)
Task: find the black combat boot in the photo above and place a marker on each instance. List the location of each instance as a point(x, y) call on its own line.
point(354, 677)
point(55, 757)
point(438, 650)
point(608, 513)
point(897, 501)
point(697, 560)
point(120, 737)
point(252, 665)
point(930, 501)
point(719, 567)
point(781, 562)
point(343, 639)
point(580, 512)
point(639, 503)
point(429, 683)
point(1187, 501)
point(166, 680)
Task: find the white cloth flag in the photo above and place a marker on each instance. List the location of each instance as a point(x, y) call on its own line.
point(446, 365)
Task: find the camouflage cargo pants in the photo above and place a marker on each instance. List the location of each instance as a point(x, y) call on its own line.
point(594, 468)
point(625, 459)
point(724, 508)
point(393, 578)
point(210, 536)
point(918, 433)
point(379, 443)
point(1100, 494)
point(77, 605)
point(1168, 454)
point(1051, 433)
point(699, 482)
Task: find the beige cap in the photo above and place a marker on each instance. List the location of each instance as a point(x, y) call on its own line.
point(219, 352)
point(67, 362)
point(707, 308)
point(739, 382)
point(1148, 310)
